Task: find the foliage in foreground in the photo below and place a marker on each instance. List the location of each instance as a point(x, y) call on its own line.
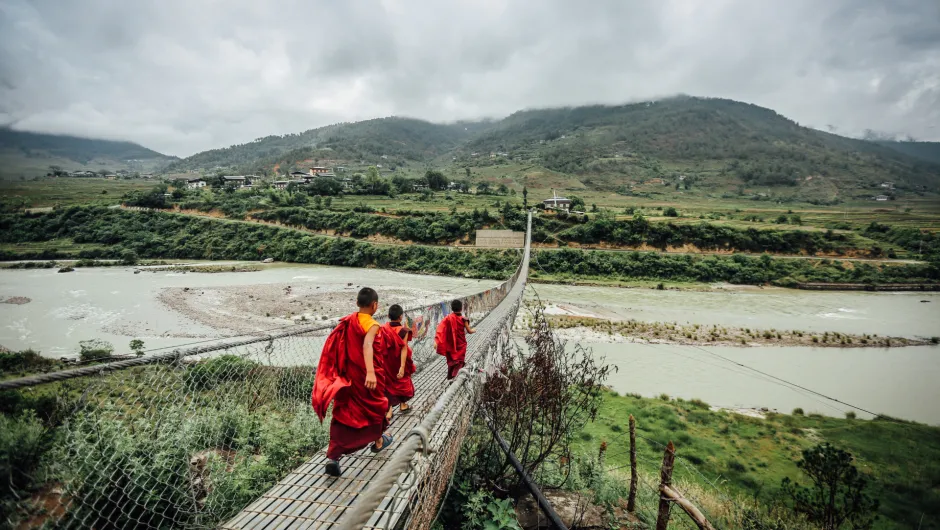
point(837, 494)
point(155, 446)
point(748, 458)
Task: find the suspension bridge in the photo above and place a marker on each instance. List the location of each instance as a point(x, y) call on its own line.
point(182, 438)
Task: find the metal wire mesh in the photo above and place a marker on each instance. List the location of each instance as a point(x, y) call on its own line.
point(189, 438)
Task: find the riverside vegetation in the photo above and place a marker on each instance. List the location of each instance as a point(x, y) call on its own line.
point(128, 236)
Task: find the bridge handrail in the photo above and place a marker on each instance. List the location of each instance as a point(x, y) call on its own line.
point(357, 515)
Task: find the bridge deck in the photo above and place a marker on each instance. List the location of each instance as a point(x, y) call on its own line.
point(308, 498)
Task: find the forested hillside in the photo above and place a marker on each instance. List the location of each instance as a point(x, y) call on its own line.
point(926, 151)
point(30, 154)
point(399, 140)
point(707, 137)
point(723, 145)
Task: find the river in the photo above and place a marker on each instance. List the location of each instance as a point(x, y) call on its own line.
point(116, 305)
point(90, 303)
point(900, 382)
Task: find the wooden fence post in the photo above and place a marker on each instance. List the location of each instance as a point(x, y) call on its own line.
point(687, 506)
point(631, 500)
point(665, 480)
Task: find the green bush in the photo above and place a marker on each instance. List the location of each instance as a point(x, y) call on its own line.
point(23, 442)
point(208, 374)
point(95, 350)
point(24, 361)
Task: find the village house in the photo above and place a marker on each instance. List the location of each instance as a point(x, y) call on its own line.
point(235, 181)
point(880, 197)
point(557, 203)
point(195, 183)
point(317, 170)
point(283, 184)
point(887, 185)
point(298, 175)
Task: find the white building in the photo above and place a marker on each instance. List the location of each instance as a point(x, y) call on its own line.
point(195, 183)
point(557, 203)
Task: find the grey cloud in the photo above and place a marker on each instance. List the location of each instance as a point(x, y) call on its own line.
point(186, 75)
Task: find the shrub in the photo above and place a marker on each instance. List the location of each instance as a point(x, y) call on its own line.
point(670, 212)
point(95, 350)
point(23, 441)
point(735, 466)
point(798, 411)
point(24, 361)
point(208, 374)
point(850, 415)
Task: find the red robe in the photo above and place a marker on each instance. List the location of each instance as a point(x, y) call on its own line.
point(397, 390)
point(451, 341)
point(358, 413)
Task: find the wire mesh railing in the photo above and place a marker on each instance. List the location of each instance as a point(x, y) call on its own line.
point(187, 438)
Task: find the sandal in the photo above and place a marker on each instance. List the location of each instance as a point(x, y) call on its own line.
point(332, 468)
point(404, 411)
point(386, 441)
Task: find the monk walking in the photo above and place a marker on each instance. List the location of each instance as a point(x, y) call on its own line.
point(399, 365)
point(451, 339)
point(351, 375)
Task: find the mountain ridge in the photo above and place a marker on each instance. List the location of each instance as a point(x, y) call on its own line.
point(26, 153)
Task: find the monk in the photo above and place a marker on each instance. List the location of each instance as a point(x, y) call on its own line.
point(399, 365)
point(451, 339)
point(352, 377)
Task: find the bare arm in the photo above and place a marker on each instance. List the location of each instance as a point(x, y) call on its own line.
point(404, 358)
point(368, 354)
point(466, 325)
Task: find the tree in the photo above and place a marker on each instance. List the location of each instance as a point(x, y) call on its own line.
point(372, 178)
point(436, 180)
point(837, 495)
point(327, 202)
point(468, 171)
point(483, 188)
point(502, 189)
point(129, 257)
point(670, 212)
point(577, 204)
point(525, 198)
point(137, 346)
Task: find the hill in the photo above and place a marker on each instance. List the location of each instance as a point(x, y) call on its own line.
point(700, 145)
point(927, 151)
point(714, 142)
point(30, 154)
point(395, 141)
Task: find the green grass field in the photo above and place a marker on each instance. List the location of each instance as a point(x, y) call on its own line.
point(47, 192)
point(59, 245)
point(750, 456)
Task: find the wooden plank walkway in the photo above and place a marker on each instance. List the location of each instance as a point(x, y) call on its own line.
point(308, 498)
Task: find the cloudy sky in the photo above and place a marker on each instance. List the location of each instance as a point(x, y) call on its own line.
point(181, 76)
